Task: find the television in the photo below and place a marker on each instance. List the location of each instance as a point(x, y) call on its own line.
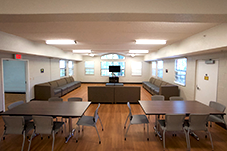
point(114, 68)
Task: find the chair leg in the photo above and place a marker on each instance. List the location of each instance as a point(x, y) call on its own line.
point(127, 130)
point(211, 140)
point(22, 148)
point(189, 146)
point(101, 123)
point(77, 129)
point(53, 135)
point(98, 134)
point(148, 131)
point(30, 141)
point(3, 135)
point(164, 133)
point(186, 137)
point(126, 122)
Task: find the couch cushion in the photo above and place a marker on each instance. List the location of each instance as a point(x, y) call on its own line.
point(158, 82)
point(68, 80)
point(57, 90)
point(71, 78)
point(61, 82)
point(53, 84)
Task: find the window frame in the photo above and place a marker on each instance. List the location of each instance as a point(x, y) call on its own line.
point(180, 75)
point(89, 67)
point(160, 69)
point(112, 63)
point(141, 68)
point(72, 69)
point(154, 69)
point(64, 68)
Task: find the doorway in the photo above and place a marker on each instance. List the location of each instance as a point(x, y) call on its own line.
point(206, 82)
point(15, 85)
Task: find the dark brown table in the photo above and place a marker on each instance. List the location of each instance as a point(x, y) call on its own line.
point(51, 108)
point(176, 107)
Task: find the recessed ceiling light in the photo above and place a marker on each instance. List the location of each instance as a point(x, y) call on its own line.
point(138, 51)
point(60, 42)
point(91, 54)
point(152, 42)
point(133, 55)
point(81, 51)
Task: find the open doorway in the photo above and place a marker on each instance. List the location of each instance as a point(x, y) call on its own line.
point(15, 81)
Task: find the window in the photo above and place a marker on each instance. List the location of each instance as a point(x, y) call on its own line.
point(105, 68)
point(136, 68)
point(62, 64)
point(154, 68)
point(112, 56)
point(70, 67)
point(89, 67)
point(160, 69)
point(180, 71)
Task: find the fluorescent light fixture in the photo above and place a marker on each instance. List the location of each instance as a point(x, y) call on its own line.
point(152, 42)
point(133, 55)
point(60, 42)
point(138, 51)
point(81, 51)
point(91, 54)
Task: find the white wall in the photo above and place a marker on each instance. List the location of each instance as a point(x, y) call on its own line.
point(127, 78)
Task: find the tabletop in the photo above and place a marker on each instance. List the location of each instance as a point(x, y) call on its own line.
point(176, 107)
point(49, 108)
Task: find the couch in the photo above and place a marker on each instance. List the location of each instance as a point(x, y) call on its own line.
point(56, 88)
point(113, 94)
point(159, 87)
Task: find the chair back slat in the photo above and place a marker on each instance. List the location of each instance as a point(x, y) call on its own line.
point(43, 124)
point(174, 122)
point(14, 124)
point(96, 116)
point(175, 98)
point(55, 99)
point(157, 98)
point(15, 104)
point(198, 121)
point(217, 106)
point(130, 110)
point(75, 99)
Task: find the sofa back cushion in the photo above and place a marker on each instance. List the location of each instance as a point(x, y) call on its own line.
point(71, 78)
point(152, 80)
point(101, 94)
point(53, 84)
point(61, 82)
point(68, 80)
point(127, 94)
point(158, 82)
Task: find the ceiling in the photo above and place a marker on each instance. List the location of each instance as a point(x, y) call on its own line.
point(101, 36)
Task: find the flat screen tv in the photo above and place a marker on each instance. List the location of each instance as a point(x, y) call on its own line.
point(114, 68)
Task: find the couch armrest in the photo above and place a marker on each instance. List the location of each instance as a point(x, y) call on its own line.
point(168, 91)
point(42, 91)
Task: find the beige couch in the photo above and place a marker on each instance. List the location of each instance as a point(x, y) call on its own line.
point(113, 94)
point(159, 87)
point(55, 88)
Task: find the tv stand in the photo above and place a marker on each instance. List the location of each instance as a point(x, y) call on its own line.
point(113, 79)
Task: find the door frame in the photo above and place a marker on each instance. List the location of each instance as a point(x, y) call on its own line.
point(196, 70)
point(27, 77)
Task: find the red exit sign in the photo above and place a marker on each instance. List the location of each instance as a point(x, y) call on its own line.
point(18, 56)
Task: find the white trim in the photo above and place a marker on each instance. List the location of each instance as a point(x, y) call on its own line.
point(27, 77)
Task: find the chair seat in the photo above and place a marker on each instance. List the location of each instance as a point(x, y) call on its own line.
point(215, 118)
point(138, 119)
point(86, 121)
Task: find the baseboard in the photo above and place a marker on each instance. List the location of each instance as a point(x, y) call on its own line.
point(107, 82)
point(15, 92)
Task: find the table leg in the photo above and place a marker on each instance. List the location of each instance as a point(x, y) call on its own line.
point(71, 131)
point(157, 133)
